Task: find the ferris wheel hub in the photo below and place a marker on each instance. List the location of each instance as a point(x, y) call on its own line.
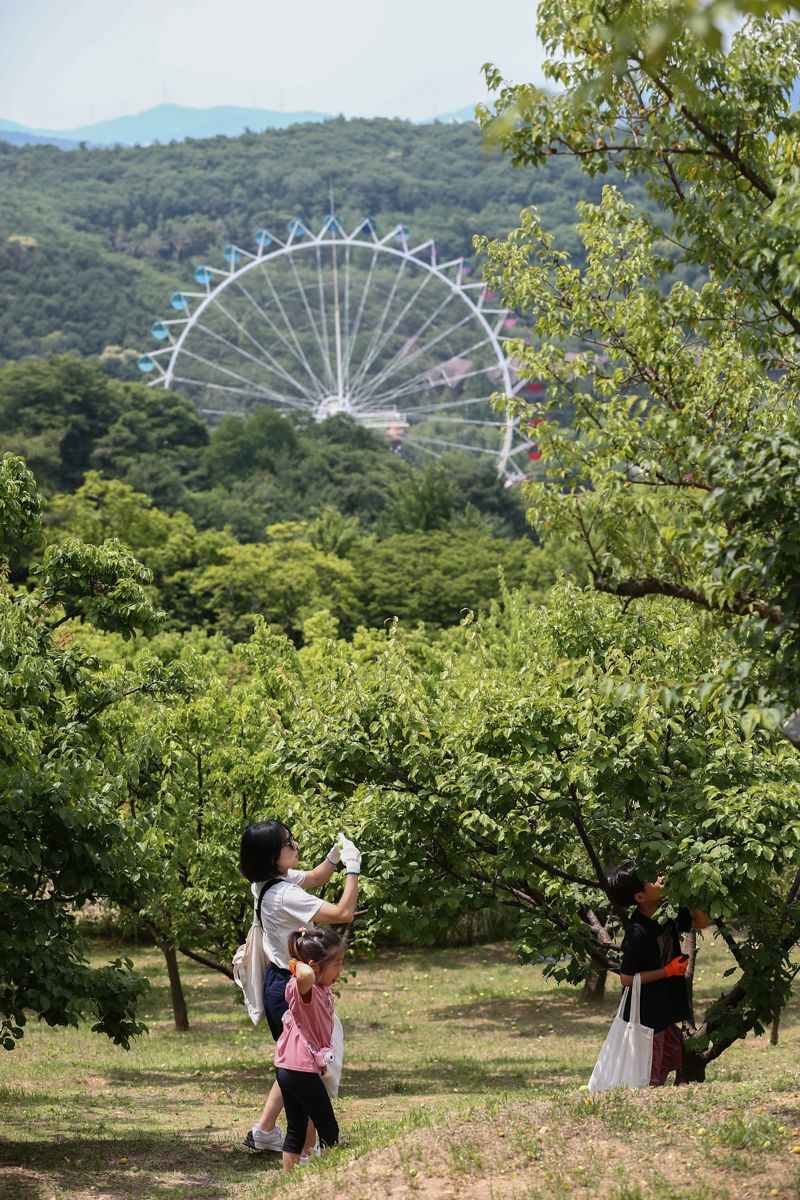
point(333, 406)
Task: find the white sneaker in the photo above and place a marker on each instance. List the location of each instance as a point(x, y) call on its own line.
point(257, 1141)
point(314, 1152)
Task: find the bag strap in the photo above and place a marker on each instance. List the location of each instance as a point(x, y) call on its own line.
point(636, 994)
point(264, 889)
point(269, 884)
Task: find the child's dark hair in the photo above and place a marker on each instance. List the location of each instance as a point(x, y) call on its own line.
point(260, 850)
point(624, 883)
point(320, 944)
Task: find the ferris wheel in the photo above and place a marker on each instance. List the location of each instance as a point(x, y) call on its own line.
point(318, 324)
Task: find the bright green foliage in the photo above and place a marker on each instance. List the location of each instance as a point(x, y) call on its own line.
point(434, 577)
point(720, 157)
point(513, 766)
point(672, 441)
point(62, 842)
point(169, 546)
point(284, 581)
point(206, 578)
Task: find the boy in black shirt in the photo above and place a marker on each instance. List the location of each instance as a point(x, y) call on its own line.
point(654, 952)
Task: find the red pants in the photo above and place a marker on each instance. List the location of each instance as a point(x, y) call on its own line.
point(667, 1054)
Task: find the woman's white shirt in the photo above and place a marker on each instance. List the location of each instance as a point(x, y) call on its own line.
point(285, 908)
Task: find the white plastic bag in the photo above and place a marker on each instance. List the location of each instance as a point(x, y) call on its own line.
point(250, 965)
point(627, 1054)
point(333, 1073)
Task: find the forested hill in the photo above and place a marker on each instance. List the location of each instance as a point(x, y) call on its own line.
point(92, 242)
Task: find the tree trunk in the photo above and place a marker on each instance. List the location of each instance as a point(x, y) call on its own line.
point(179, 1008)
point(773, 1033)
point(693, 1068)
point(594, 988)
point(691, 950)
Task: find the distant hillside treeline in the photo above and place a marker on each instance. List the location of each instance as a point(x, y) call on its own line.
point(92, 242)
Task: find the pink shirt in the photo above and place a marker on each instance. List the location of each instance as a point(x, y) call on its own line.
point(304, 1024)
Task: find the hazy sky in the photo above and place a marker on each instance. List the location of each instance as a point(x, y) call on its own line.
point(70, 62)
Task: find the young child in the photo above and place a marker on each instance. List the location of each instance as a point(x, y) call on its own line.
point(653, 951)
point(305, 1046)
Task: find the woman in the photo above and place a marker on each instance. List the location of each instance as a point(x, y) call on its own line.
point(268, 857)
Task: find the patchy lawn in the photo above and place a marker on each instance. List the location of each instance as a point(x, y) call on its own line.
point(462, 1079)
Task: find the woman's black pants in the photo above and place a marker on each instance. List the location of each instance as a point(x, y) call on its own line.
point(305, 1099)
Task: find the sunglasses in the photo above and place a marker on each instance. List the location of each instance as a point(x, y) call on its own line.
point(291, 841)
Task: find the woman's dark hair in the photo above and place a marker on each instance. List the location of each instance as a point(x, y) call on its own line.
point(260, 850)
point(624, 883)
point(319, 943)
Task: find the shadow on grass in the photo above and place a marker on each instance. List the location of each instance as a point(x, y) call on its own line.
point(179, 1168)
point(462, 1075)
point(567, 1016)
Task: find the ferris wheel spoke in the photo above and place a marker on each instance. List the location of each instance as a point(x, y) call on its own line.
point(409, 386)
point(434, 408)
point(434, 441)
point(291, 343)
point(346, 316)
point(250, 385)
point(367, 363)
point(270, 363)
point(411, 441)
point(412, 415)
point(352, 335)
point(402, 359)
point(292, 335)
point(218, 337)
point(217, 387)
point(377, 340)
point(323, 307)
point(398, 362)
point(326, 366)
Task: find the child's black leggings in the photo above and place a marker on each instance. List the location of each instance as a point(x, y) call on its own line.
point(305, 1099)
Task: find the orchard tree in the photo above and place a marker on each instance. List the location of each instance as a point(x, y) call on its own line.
point(670, 429)
point(194, 770)
point(512, 765)
point(62, 840)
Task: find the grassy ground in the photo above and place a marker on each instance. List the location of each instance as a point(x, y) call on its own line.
point(462, 1079)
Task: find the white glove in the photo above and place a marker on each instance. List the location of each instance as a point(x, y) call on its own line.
point(351, 855)
point(334, 855)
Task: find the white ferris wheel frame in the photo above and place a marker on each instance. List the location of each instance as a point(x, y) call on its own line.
point(272, 248)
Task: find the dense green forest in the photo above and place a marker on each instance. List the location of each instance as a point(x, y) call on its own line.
point(92, 242)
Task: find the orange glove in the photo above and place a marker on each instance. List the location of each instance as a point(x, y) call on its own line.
point(677, 966)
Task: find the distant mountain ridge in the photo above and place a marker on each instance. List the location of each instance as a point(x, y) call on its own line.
point(176, 122)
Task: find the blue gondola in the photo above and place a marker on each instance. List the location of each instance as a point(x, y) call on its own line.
point(296, 229)
point(231, 254)
point(263, 238)
point(368, 228)
point(159, 331)
point(203, 275)
point(145, 363)
point(179, 301)
point(403, 233)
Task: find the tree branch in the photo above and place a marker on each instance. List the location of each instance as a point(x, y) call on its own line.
point(650, 585)
point(206, 962)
